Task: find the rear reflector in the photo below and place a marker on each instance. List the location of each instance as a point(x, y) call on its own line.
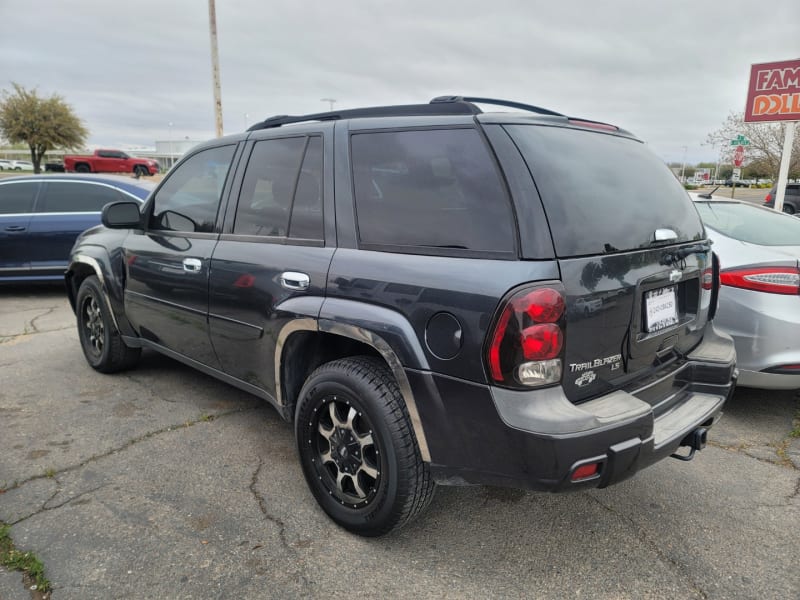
point(585, 471)
point(773, 280)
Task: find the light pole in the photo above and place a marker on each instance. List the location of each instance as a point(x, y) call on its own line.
point(246, 116)
point(171, 153)
point(330, 101)
point(683, 168)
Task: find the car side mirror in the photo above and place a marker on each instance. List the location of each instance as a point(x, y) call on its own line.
point(122, 215)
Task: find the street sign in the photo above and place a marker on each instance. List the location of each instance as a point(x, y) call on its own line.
point(738, 156)
point(737, 175)
point(740, 141)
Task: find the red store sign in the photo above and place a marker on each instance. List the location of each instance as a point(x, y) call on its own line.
point(774, 92)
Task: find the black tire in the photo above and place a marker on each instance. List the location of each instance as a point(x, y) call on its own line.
point(82, 168)
point(140, 171)
point(788, 209)
point(374, 455)
point(101, 343)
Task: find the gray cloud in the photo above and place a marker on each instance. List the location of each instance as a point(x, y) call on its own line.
point(670, 72)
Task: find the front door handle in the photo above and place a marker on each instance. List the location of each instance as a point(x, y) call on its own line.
point(192, 265)
point(15, 228)
point(292, 280)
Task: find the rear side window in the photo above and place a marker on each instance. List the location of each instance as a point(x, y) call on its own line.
point(306, 222)
point(430, 189)
point(189, 200)
point(63, 197)
point(17, 198)
point(603, 193)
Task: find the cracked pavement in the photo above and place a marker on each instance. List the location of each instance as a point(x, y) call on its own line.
point(162, 482)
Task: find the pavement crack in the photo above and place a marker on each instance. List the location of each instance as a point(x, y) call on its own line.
point(46, 508)
point(262, 505)
point(645, 538)
point(126, 445)
point(32, 322)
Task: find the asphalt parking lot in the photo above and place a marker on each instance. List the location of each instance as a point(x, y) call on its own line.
point(164, 483)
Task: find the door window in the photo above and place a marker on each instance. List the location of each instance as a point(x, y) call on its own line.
point(265, 201)
point(431, 189)
point(61, 197)
point(189, 199)
point(17, 198)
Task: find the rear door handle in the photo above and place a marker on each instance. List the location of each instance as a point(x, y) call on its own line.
point(15, 228)
point(292, 280)
point(192, 265)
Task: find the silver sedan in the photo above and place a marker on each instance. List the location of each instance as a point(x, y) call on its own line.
point(759, 299)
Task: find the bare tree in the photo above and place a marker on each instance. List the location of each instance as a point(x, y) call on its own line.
point(766, 143)
point(42, 123)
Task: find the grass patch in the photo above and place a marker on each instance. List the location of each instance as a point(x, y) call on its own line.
point(27, 562)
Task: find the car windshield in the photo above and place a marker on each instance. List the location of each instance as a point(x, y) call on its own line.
point(751, 224)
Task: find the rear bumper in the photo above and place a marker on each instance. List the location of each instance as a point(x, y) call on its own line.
point(479, 434)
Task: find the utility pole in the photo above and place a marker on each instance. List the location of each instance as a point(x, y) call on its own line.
point(330, 101)
point(212, 24)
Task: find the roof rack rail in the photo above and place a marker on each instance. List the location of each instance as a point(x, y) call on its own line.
point(401, 110)
point(441, 105)
point(496, 102)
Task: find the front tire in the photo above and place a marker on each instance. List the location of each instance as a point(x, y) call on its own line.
point(101, 342)
point(788, 209)
point(357, 448)
point(140, 171)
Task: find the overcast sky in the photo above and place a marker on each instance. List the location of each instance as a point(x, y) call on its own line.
point(668, 71)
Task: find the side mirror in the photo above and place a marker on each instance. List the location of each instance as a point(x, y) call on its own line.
point(122, 215)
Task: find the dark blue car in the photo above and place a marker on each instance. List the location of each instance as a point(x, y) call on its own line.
point(42, 215)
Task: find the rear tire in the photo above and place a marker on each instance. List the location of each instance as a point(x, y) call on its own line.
point(82, 168)
point(101, 342)
point(357, 448)
point(788, 209)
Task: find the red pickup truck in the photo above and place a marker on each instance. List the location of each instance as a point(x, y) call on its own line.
point(110, 161)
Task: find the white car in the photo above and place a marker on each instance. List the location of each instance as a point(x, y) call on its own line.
point(5, 165)
point(21, 165)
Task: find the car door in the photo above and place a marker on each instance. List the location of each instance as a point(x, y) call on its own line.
point(64, 209)
point(17, 199)
point(273, 249)
point(167, 262)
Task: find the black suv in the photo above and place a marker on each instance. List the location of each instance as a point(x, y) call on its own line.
point(791, 198)
point(430, 294)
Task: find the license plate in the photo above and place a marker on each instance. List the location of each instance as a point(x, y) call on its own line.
point(661, 308)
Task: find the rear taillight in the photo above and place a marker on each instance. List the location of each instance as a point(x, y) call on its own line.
point(526, 342)
point(708, 279)
point(768, 198)
point(773, 280)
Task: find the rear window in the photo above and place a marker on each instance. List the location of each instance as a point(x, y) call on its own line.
point(751, 223)
point(603, 193)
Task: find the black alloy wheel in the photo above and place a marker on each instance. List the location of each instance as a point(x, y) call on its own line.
point(357, 447)
point(101, 342)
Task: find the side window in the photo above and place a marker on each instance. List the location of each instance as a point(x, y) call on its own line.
point(189, 199)
point(430, 189)
point(306, 222)
point(265, 201)
point(105, 154)
point(61, 197)
point(17, 198)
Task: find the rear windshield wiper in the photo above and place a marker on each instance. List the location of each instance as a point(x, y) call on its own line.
point(679, 254)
